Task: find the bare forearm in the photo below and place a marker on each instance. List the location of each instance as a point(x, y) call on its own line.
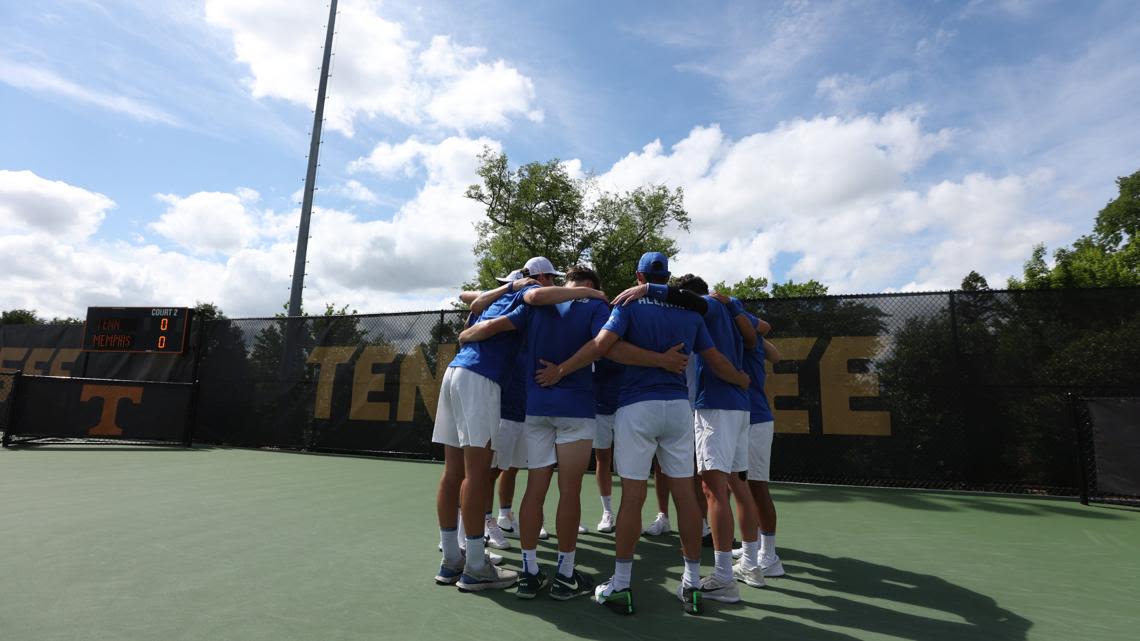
point(484, 300)
point(556, 295)
point(629, 354)
point(585, 355)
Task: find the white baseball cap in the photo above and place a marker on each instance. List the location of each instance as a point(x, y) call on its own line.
point(511, 277)
point(540, 265)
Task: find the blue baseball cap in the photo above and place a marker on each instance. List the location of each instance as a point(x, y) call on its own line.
point(653, 264)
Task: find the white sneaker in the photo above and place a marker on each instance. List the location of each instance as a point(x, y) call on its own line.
point(494, 535)
point(543, 534)
point(488, 577)
point(750, 576)
point(737, 552)
point(582, 529)
point(509, 525)
point(606, 525)
point(717, 590)
point(772, 566)
point(659, 526)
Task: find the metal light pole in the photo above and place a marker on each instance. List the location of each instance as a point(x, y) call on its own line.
point(311, 174)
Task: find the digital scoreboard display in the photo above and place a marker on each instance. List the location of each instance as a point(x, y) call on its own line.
point(157, 330)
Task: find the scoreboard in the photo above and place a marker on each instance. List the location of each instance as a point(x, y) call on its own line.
point(156, 330)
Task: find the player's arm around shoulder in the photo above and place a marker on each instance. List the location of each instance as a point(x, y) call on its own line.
point(554, 295)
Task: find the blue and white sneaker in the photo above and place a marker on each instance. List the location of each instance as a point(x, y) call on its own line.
point(449, 574)
point(487, 577)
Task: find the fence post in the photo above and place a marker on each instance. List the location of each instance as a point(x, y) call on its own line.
point(1082, 470)
point(10, 420)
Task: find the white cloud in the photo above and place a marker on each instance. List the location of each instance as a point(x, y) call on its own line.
point(31, 203)
point(378, 70)
point(840, 196)
point(34, 79)
point(354, 190)
point(209, 221)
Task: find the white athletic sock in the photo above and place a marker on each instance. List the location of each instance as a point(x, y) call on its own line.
point(475, 558)
point(692, 576)
point(751, 556)
point(504, 511)
point(767, 545)
point(460, 535)
point(723, 564)
point(705, 531)
point(566, 563)
point(623, 571)
point(530, 561)
point(449, 543)
point(607, 504)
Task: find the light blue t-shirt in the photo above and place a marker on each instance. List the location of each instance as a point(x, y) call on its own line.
point(656, 326)
point(554, 333)
point(493, 357)
point(713, 392)
point(754, 367)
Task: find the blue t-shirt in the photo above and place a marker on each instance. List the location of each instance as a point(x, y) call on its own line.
point(754, 367)
point(656, 326)
point(554, 333)
point(492, 357)
point(512, 395)
point(607, 384)
point(713, 392)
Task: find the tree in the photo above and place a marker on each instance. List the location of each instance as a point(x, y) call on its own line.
point(540, 210)
point(793, 289)
point(20, 317)
point(751, 288)
point(1109, 257)
point(975, 282)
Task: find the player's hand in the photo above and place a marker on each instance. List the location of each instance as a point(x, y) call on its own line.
point(674, 360)
point(547, 375)
point(631, 294)
point(721, 297)
point(519, 284)
point(742, 380)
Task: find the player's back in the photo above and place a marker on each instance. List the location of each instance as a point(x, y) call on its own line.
point(712, 391)
point(656, 326)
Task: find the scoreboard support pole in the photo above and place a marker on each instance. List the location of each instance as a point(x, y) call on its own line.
point(10, 419)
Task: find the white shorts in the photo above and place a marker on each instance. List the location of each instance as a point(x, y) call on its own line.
point(468, 410)
point(760, 450)
point(722, 440)
point(648, 428)
point(509, 446)
point(543, 433)
point(604, 434)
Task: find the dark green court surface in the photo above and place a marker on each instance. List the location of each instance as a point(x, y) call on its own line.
point(162, 545)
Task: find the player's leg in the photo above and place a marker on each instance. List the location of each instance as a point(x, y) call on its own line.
point(675, 455)
point(747, 570)
point(716, 442)
point(541, 456)
point(660, 524)
point(603, 471)
point(575, 442)
point(760, 456)
point(507, 521)
point(446, 432)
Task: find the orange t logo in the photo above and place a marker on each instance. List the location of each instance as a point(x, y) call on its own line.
point(111, 395)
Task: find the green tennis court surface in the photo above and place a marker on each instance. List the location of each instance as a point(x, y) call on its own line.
point(148, 544)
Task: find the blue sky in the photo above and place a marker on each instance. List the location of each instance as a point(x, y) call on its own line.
point(153, 151)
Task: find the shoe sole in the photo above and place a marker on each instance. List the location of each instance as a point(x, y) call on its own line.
point(531, 595)
point(616, 608)
point(503, 546)
point(443, 580)
point(774, 571)
point(609, 530)
point(750, 583)
point(723, 598)
point(567, 597)
point(490, 585)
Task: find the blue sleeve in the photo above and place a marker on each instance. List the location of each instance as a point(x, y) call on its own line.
point(601, 313)
point(704, 340)
point(736, 307)
point(658, 292)
point(618, 322)
point(519, 317)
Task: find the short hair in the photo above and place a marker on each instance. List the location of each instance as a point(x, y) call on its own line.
point(693, 283)
point(580, 273)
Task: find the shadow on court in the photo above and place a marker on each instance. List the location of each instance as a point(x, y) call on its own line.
point(822, 598)
point(935, 501)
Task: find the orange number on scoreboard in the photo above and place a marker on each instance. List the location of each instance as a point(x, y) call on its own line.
point(162, 341)
point(163, 324)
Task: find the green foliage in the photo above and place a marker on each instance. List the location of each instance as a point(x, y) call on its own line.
point(975, 282)
point(751, 288)
point(20, 317)
point(1109, 257)
point(793, 289)
point(539, 210)
point(207, 312)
